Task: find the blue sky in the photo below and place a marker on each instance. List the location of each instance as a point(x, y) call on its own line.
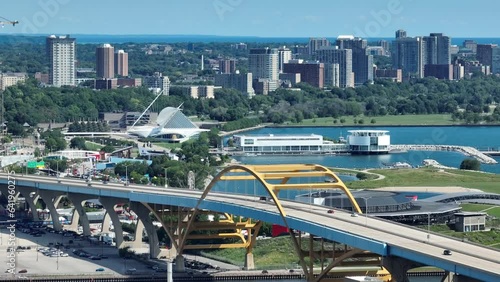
point(265, 18)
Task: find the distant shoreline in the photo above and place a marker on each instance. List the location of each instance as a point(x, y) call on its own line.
point(375, 125)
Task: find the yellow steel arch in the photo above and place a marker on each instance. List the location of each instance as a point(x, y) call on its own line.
point(283, 172)
point(219, 176)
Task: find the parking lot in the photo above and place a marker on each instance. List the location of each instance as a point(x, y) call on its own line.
point(62, 254)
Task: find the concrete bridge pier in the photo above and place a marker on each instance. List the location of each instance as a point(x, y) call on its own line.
point(109, 205)
point(30, 196)
point(398, 267)
point(51, 200)
point(249, 261)
point(143, 214)
point(106, 223)
point(179, 264)
point(78, 200)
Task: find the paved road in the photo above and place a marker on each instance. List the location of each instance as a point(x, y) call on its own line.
point(409, 240)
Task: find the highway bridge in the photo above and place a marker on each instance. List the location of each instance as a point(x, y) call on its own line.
point(401, 247)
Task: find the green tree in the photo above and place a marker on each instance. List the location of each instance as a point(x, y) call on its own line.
point(77, 143)
point(470, 164)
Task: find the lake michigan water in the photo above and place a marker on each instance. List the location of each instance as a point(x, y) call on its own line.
point(480, 137)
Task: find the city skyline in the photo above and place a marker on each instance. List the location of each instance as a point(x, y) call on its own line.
point(252, 18)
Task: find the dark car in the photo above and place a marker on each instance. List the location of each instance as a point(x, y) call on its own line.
point(330, 211)
point(447, 252)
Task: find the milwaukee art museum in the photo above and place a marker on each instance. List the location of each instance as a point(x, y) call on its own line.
point(171, 125)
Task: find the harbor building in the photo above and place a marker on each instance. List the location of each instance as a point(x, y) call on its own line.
point(359, 142)
point(369, 141)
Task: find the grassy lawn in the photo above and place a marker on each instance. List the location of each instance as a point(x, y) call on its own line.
point(91, 146)
point(431, 177)
point(169, 145)
point(438, 119)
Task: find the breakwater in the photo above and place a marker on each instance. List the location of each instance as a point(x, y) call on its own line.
point(466, 150)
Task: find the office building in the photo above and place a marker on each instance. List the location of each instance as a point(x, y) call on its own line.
point(312, 73)
point(317, 43)
point(129, 82)
point(263, 64)
point(238, 81)
point(61, 53)
point(284, 56)
point(227, 66)
point(386, 45)
point(407, 55)
point(239, 46)
point(292, 78)
point(105, 61)
point(362, 63)
point(458, 71)
point(157, 82)
point(106, 83)
point(439, 71)
point(121, 63)
point(332, 75)
point(11, 78)
point(342, 57)
point(437, 49)
point(485, 53)
point(394, 75)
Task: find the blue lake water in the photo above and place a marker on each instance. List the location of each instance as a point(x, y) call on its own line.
point(480, 137)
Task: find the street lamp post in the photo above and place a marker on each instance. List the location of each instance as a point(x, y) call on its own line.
point(37, 250)
point(126, 175)
point(366, 210)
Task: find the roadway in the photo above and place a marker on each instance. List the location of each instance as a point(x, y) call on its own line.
point(399, 240)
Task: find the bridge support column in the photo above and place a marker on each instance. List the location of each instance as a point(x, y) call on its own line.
point(30, 197)
point(143, 215)
point(51, 200)
point(78, 200)
point(106, 223)
point(75, 218)
point(179, 264)
point(249, 262)
point(109, 206)
point(398, 267)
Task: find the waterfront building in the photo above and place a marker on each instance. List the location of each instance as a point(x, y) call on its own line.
point(332, 75)
point(171, 125)
point(437, 49)
point(471, 45)
point(202, 91)
point(121, 63)
point(400, 33)
point(369, 141)
point(61, 53)
point(293, 78)
point(286, 144)
point(105, 61)
point(470, 221)
point(485, 54)
point(394, 75)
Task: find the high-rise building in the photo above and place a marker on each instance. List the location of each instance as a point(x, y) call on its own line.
point(332, 75)
point(105, 61)
point(485, 54)
point(227, 66)
point(284, 55)
point(362, 63)
point(400, 33)
point(471, 45)
point(240, 82)
point(407, 55)
point(386, 45)
point(439, 71)
point(437, 49)
point(121, 63)
point(61, 52)
point(316, 44)
point(342, 57)
point(263, 64)
point(312, 73)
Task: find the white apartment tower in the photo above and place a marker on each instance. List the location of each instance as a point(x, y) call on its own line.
point(263, 64)
point(61, 52)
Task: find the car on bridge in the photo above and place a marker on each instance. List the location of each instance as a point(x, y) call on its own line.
point(330, 211)
point(447, 252)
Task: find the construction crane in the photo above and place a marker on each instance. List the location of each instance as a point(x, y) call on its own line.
point(4, 21)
